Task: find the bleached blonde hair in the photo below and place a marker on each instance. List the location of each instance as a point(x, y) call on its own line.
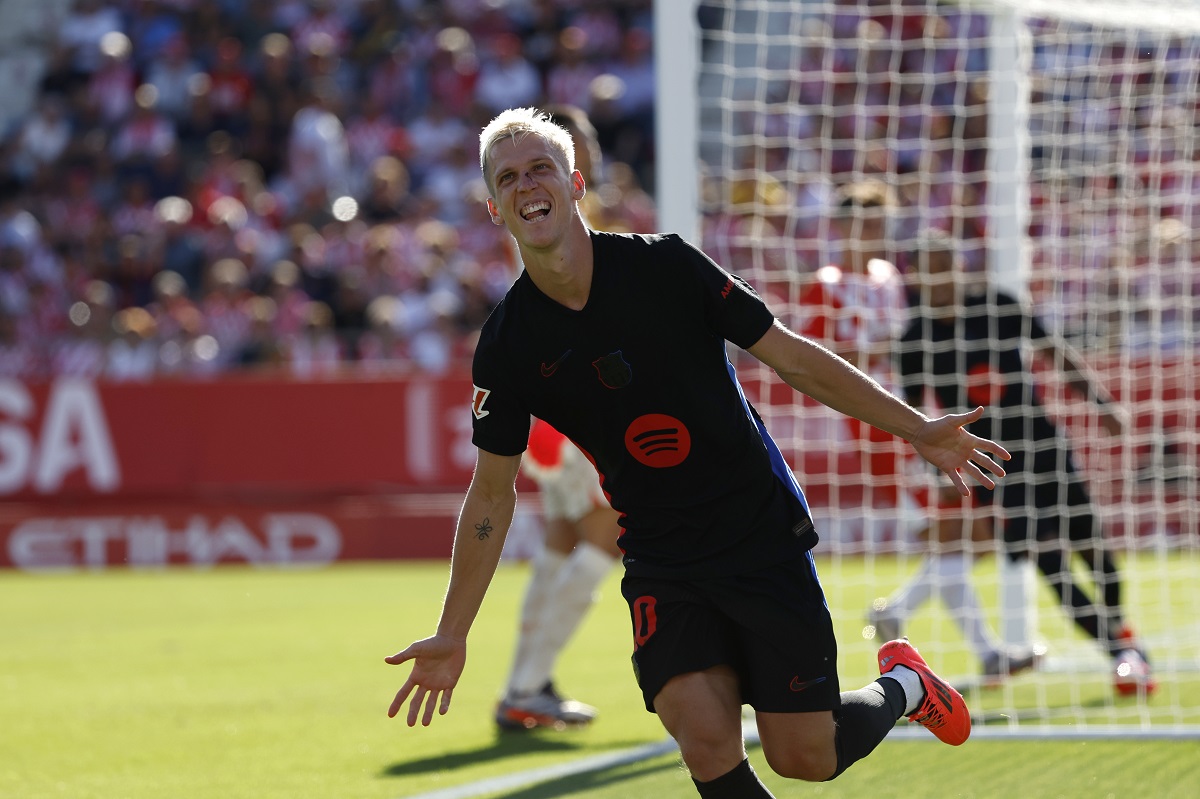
point(519, 122)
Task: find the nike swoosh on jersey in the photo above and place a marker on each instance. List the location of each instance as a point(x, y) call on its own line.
point(547, 371)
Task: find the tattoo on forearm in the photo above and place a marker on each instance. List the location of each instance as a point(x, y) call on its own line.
point(483, 530)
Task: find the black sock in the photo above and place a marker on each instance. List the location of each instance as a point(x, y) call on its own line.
point(740, 783)
point(1108, 589)
point(1110, 584)
point(1074, 601)
point(865, 718)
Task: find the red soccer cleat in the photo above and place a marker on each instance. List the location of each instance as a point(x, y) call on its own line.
point(1132, 675)
point(943, 711)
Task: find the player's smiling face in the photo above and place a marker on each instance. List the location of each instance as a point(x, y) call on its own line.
point(534, 193)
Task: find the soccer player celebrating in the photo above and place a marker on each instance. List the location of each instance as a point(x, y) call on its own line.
point(581, 529)
point(619, 341)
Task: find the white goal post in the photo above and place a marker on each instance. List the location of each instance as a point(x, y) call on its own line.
point(1057, 143)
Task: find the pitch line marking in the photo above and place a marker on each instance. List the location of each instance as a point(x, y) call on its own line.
point(523, 779)
point(624, 757)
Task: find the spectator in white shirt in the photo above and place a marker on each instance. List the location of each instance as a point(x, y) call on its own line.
point(43, 137)
point(508, 79)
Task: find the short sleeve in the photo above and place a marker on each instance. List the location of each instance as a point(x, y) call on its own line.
point(499, 419)
point(735, 309)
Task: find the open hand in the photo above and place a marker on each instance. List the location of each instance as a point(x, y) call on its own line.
point(437, 664)
point(944, 443)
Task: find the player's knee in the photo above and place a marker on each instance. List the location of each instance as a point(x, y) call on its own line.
point(811, 764)
point(708, 756)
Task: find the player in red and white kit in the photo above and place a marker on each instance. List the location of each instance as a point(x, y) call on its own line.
point(579, 551)
point(859, 309)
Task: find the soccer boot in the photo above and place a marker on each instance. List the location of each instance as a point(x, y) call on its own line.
point(943, 710)
point(546, 708)
point(1131, 668)
point(1010, 661)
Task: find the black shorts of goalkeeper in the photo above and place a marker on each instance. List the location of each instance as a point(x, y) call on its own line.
point(771, 626)
point(1043, 506)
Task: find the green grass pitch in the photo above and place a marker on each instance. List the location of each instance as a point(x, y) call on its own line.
point(244, 684)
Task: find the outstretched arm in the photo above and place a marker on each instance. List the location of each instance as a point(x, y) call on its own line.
point(813, 370)
point(438, 661)
point(1084, 382)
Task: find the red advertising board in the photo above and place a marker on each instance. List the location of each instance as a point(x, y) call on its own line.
point(256, 469)
point(203, 533)
point(79, 438)
point(270, 470)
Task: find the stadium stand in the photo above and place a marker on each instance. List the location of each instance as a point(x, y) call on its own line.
point(192, 188)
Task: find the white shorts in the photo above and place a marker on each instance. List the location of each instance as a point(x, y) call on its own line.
point(572, 490)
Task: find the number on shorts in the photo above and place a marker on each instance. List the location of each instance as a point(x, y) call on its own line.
point(645, 620)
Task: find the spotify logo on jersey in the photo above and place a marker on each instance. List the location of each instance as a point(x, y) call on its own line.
point(658, 440)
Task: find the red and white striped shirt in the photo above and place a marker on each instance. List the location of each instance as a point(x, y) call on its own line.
point(857, 311)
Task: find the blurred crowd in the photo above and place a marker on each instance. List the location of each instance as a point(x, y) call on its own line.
point(207, 185)
point(899, 90)
point(895, 91)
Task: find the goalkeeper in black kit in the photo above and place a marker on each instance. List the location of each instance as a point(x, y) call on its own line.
point(619, 342)
point(968, 346)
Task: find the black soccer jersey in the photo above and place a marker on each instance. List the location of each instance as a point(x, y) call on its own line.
point(639, 379)
point(977, 359)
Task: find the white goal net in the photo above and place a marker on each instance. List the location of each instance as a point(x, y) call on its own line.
point(1054, 146)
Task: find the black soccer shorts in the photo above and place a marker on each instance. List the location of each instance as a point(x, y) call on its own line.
point(771, 626)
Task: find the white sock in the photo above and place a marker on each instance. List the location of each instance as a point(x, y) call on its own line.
point(1018, 588)
point(910, 681)
point(914, 517)
point(958, 594)
point(538, 597)
point(916, 592)
point(572, 595)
